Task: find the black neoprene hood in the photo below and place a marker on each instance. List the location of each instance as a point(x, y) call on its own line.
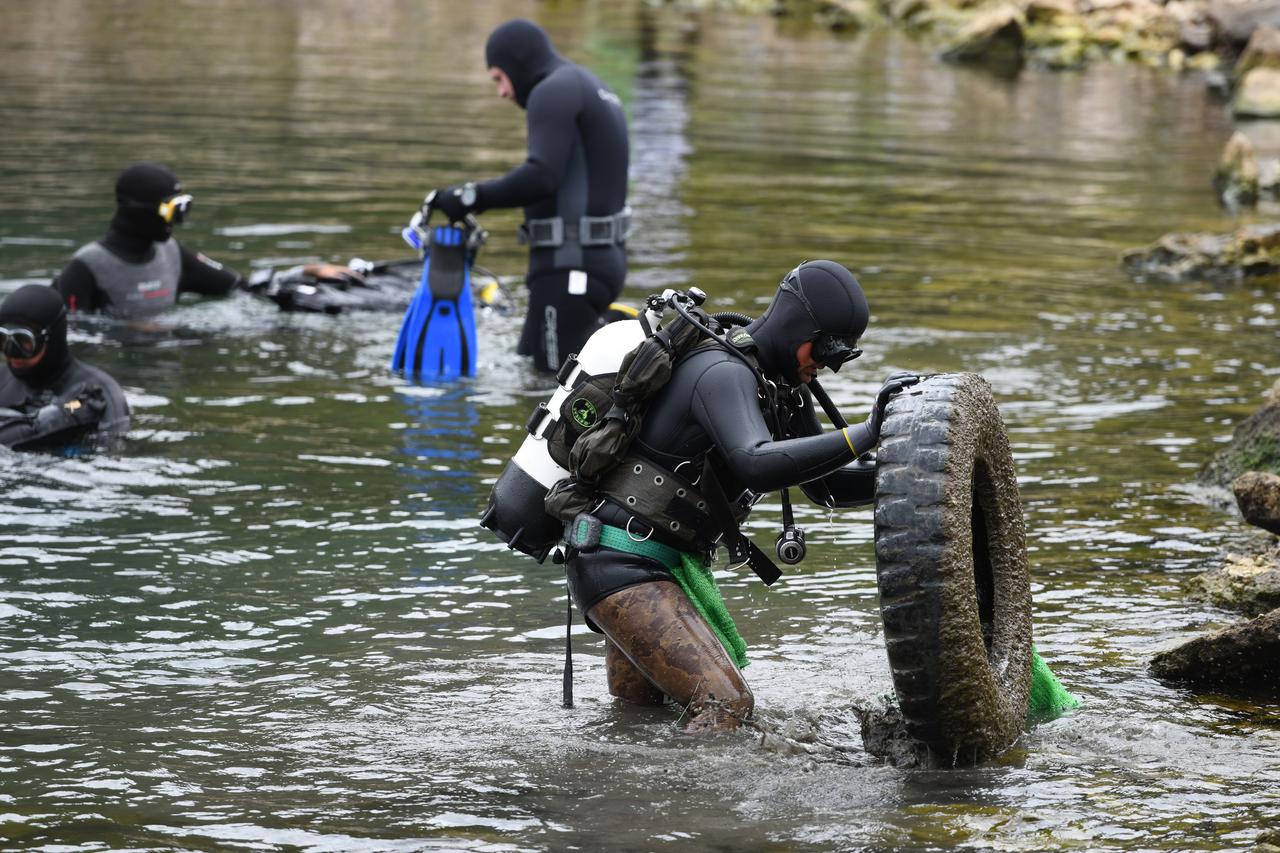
point(139, 190)
point(816, 298)
point(523, 51)
point(38, 307)
point(146, 185)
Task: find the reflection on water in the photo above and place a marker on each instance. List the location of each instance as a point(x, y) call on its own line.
point(270, 622)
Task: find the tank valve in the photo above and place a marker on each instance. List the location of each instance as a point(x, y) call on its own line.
point(790, 545)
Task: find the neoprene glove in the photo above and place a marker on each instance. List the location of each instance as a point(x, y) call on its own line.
point(449, 202)
point(893, 383)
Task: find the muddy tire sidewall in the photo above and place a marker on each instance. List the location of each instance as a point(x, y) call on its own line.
point(959, 640)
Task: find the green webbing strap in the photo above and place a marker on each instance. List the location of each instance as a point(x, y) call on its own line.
point(694, 578)
point(619, 540)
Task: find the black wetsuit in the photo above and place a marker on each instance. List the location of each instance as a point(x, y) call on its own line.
point(82, 402)
point(711, 410)
point(140, 283)
point(577, 166)
point(712, 406)
point(55, 402)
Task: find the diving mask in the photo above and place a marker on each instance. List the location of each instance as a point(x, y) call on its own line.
point(174, 209)
point(21, 342)
point(834, 350)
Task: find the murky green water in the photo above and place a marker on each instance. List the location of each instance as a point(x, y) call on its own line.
point(270, 621)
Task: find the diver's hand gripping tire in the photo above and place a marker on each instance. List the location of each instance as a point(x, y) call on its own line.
point(951, 565)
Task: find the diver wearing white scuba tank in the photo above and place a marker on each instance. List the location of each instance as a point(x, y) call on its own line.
point(710, 423)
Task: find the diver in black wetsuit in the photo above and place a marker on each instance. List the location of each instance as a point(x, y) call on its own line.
point(709, 423)
point(136, 269)
point(49, 400)
point(573, 188)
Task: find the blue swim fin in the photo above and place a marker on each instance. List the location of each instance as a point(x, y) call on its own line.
point(438, 336)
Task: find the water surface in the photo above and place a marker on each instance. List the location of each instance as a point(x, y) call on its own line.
point(270, 622)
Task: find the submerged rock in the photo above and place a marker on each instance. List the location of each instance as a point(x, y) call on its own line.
point(886, 737)
point(1254, 446)
point(1258, 496)
point(1241, 659)
point(1251, 250)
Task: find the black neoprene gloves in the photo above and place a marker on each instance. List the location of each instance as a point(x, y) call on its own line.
point(453, 203)
point(893, 384)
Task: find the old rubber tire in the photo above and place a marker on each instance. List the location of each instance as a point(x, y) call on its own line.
point(951, 565)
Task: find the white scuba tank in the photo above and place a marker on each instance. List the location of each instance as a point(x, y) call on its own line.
point(515, 512)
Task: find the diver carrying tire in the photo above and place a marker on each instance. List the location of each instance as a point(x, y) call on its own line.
point(951, 566)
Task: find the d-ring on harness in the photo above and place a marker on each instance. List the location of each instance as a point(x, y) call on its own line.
point(632, 536)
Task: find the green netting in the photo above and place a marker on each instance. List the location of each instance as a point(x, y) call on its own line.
point(1049, 699)
point(700, 586)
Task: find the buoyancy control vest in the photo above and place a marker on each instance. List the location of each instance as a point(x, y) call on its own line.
point(579, 455)
point(585, 429)
point(135, 290)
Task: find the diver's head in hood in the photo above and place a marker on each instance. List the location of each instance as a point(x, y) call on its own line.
point(821, 304)
point(33, 332)
point(149, 201)
point(522, 51)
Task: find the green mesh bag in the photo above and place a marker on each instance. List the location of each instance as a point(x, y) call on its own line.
point(1049, 699)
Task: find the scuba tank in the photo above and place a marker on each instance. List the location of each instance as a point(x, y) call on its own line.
point(516, 511)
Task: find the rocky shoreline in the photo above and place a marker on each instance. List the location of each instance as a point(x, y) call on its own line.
point(1235, 44)
point(1243, 658)
point(1062, 34)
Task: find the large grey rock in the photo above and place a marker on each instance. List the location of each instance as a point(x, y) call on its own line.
point(1237, 19)
point(993, 38)
point(1263, 51)
point(1254, 446)
point(1258, 496)
point(1049, 11)
point(1258, 94)
point(1242, 659)
point(1196, 31)
point(1236, 178)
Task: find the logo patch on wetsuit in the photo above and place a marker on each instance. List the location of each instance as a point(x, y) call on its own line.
point(584, 412)
point(608, 97)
